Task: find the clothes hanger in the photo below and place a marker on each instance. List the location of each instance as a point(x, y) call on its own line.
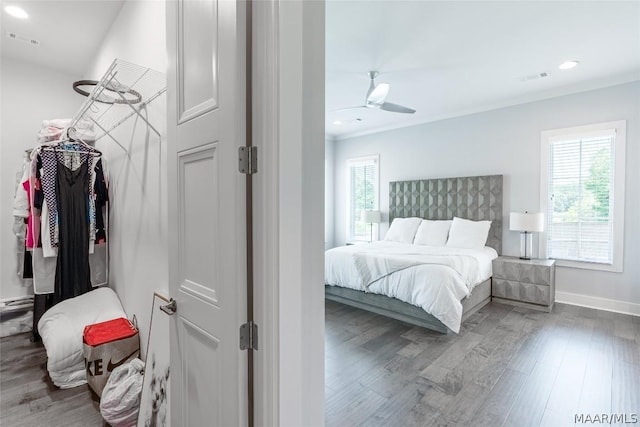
point(61, 145)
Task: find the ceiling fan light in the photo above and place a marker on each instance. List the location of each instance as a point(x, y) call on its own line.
point(378, 94)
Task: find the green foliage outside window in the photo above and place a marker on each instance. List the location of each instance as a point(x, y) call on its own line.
point(570, 204)
point(598, 184)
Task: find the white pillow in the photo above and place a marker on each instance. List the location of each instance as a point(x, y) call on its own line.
point(468, 234)
point(432, 233)
point(403, 230)
point(62, 327)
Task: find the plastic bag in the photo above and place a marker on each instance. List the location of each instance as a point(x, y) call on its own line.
point(120, 400)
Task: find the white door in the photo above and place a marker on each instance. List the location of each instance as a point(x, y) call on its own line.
point(206, 220)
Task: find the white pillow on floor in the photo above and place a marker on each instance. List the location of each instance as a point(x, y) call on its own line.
point(62, 326)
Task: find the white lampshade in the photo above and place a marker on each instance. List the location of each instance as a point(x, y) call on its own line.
point(370, 217)
point(519, 221)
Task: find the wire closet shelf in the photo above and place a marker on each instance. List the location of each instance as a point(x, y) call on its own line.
point(124, 91)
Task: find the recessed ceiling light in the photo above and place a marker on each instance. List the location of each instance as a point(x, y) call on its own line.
point(567, 65)
point(337, 122)
point(16, 12)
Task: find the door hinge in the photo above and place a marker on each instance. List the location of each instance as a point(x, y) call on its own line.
point(248, 160)
point(249, 336)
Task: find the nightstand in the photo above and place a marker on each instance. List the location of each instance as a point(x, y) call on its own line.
point(526, 283)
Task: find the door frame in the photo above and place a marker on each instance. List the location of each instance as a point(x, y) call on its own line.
point(288, 203)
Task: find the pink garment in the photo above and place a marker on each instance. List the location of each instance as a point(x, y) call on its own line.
point(33, 224)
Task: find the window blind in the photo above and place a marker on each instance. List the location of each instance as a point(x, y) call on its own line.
point(580, 209)
point(363, 177)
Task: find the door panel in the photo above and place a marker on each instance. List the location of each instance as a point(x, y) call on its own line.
point(203, 387)
point(198, 51)
point(197, 184)
point(206, 198)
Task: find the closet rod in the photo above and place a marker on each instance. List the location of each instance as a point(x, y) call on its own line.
point(67, 150)
point(102, 107)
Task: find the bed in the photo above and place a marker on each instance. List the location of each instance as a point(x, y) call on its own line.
point(414, 283)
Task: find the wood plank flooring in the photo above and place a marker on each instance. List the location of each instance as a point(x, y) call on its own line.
point(28, 398)
point(508, 366)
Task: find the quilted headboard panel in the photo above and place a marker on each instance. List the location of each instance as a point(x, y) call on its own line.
point(473, 197)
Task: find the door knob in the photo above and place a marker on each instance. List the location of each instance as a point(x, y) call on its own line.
point(170, 308)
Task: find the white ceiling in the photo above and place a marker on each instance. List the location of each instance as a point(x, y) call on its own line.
point(69, 32)
point(443, 59)
point(451, 58)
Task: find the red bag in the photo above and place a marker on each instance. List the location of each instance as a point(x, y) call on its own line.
point(108, 345)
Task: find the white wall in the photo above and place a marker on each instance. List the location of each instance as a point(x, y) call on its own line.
point(507, 141)
point(300, 193)
point(137, 179)
point(30, 94)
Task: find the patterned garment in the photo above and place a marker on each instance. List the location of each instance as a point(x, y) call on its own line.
point(48, 163)
point(47, 168)
point(92, 198)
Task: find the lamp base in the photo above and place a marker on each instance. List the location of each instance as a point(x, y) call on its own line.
point(526, 245)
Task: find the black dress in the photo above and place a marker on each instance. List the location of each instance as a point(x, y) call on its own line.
point(73, 277)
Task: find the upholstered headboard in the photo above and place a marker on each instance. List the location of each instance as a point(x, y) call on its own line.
point(473, 197)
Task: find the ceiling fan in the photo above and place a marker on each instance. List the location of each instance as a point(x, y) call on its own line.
point(376, 96)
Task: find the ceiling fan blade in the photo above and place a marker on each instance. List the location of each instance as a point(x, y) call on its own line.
point(388, 106)
point(378, 94)
point(348, 108)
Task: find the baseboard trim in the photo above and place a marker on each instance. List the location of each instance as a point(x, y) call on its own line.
point(615, 306)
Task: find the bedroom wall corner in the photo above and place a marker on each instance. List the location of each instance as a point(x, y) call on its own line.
point(137, 178)
point(30, 94)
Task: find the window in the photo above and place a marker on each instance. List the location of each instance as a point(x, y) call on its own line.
point(362, 193)
point(582, 195)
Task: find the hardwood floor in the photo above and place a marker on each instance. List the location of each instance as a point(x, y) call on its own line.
point(27, 396)
point(509, 366)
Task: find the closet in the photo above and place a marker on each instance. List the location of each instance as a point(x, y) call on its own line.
point(60, 206)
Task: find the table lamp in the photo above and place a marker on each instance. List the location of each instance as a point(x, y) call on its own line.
point(371, 217)
point(526, 223)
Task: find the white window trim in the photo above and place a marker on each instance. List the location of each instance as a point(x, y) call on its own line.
point(376, 186)
point(548, 136)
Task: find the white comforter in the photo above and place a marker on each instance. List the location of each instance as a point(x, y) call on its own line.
point(433, 278)
point(62, 326)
